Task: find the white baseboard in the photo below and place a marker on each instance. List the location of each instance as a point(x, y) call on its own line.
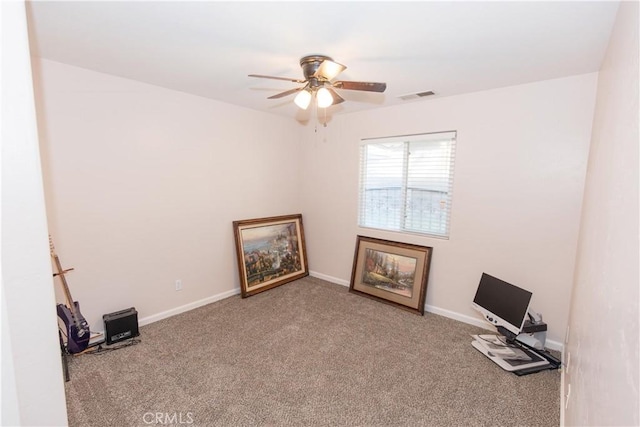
point(329, 278)
point(187, 307)
point(550, 344)
point(457, 316)
point(193, 305)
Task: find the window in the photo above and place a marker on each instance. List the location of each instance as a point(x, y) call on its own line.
point(406, 183)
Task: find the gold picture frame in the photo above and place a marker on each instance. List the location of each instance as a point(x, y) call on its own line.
point(271, 252)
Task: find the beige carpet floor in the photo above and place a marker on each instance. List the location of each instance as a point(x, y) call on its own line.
point(308, 353)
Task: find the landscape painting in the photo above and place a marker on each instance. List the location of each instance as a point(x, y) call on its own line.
point(270, 252)
point(392, 272)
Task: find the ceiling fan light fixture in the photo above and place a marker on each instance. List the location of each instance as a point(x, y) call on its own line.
point(329, 69)
point(324, 97)
point(303, 99)
point(319, 71)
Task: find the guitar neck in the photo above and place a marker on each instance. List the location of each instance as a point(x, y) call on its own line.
point(65, 286)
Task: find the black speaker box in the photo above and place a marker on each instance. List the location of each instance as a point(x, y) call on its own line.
point(120, 325)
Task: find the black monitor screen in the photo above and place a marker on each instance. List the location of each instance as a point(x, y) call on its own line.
point(503, 299)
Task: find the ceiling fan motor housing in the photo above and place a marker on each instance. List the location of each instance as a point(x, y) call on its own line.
point(310, 65)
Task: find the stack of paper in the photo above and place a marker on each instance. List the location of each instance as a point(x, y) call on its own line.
point(498, 348)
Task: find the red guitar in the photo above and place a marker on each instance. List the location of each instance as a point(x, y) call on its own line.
point(77, 328)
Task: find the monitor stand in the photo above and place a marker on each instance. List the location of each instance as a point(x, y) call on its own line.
point(492, 347)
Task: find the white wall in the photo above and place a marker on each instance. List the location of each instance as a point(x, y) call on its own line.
point(519, 175)
point(32, 381)
point(602, 349)
point(143, 183)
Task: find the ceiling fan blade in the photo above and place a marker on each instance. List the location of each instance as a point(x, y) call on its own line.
point(337, 99)
point(329, 69)
point(285, 93)
point(286, 79)
point(368, 86)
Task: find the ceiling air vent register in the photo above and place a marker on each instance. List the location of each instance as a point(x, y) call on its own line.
point(416, 95)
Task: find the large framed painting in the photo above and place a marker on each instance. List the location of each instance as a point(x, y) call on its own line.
point(391, 272)
point(271, 252)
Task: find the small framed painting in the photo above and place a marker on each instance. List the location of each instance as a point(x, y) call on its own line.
point(391, 272)
point(271, 252)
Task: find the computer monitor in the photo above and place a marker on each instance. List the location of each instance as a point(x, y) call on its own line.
point(501, 303)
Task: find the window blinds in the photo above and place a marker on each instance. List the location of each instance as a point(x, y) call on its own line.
point(406, 183)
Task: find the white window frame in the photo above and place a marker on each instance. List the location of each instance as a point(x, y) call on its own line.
point(436, 173)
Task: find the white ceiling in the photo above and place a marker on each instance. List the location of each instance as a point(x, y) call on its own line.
point(209, 48)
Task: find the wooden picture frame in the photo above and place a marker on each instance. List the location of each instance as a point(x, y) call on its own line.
point(392, 272)
point(271, 252)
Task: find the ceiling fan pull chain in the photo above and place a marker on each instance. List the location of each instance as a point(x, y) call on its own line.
point(315, 117)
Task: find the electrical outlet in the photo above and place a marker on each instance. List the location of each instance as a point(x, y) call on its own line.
point(178, 285)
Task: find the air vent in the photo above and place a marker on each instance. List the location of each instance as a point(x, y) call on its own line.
point(417, 95)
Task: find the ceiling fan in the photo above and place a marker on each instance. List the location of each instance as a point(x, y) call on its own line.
point(319, 72)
